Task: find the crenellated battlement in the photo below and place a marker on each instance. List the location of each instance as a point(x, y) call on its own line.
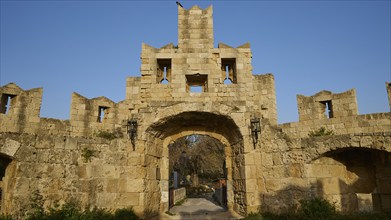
point(20, 109)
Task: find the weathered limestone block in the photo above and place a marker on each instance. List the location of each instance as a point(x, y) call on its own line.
point(133, 172)
point(267, 159)
point(105, 171)
point(114, 186)
point(22, 185)
point(70, 143)
point(332, 186)
point(318, 170)
point(133, 185)
point(28, 153)
point(103, 199)
point(10, 147)
point(295, 170)
point(59, 142)
point(251, 185)
point(250, 172)
point(366, 141)
point(364, 202)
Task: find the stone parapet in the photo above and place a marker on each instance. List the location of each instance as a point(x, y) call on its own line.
point(368, 123)
point(325, 104)
point(19, 109)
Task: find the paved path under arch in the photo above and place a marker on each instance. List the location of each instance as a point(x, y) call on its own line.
point(199, 209)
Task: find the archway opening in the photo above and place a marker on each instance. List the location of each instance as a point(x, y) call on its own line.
point(197, 163)
point(163, 132)
point(4, 162)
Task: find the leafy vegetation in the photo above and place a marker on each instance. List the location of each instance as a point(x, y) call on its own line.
point(197, 154)
point(170, 213)
point(197, 192)
point(72, 210)
point(180, 202)
point(318, 209)
point(5, 217)
point(322, 131)
point(87, 154)
point(109, 135)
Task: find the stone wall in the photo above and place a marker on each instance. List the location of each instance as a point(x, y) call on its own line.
point(53, 127)
point(327, 105)
point(89, 114)
point(344, 120)
point(59, 169)
point(369, 123)
point(349, 170)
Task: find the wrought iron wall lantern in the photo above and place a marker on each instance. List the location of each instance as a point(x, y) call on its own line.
point(255, 129)
point(132, 131)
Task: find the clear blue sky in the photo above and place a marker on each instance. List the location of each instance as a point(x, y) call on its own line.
point(90, 47)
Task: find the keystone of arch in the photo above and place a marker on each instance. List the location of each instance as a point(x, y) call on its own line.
point(9, 148)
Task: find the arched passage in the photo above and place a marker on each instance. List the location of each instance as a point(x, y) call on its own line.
point(197, 164)
point(161, 133)
point(5, 162)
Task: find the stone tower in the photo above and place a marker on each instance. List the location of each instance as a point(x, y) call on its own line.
point(195, 29)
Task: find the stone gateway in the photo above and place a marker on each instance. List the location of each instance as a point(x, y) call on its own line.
point(115, 155)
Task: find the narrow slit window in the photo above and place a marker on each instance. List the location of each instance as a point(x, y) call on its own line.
point(102, 113)
point(228, 70)
point(7, 101)
point(163, 71)
point(164, 80)
point(328, 109)
point(227, 81)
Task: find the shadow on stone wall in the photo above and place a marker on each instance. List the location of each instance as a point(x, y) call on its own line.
point(367, 185)
point(287, 199)
point(351, 179)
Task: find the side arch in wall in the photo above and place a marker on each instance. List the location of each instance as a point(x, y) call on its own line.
point(7, 154)
point(356, 179)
